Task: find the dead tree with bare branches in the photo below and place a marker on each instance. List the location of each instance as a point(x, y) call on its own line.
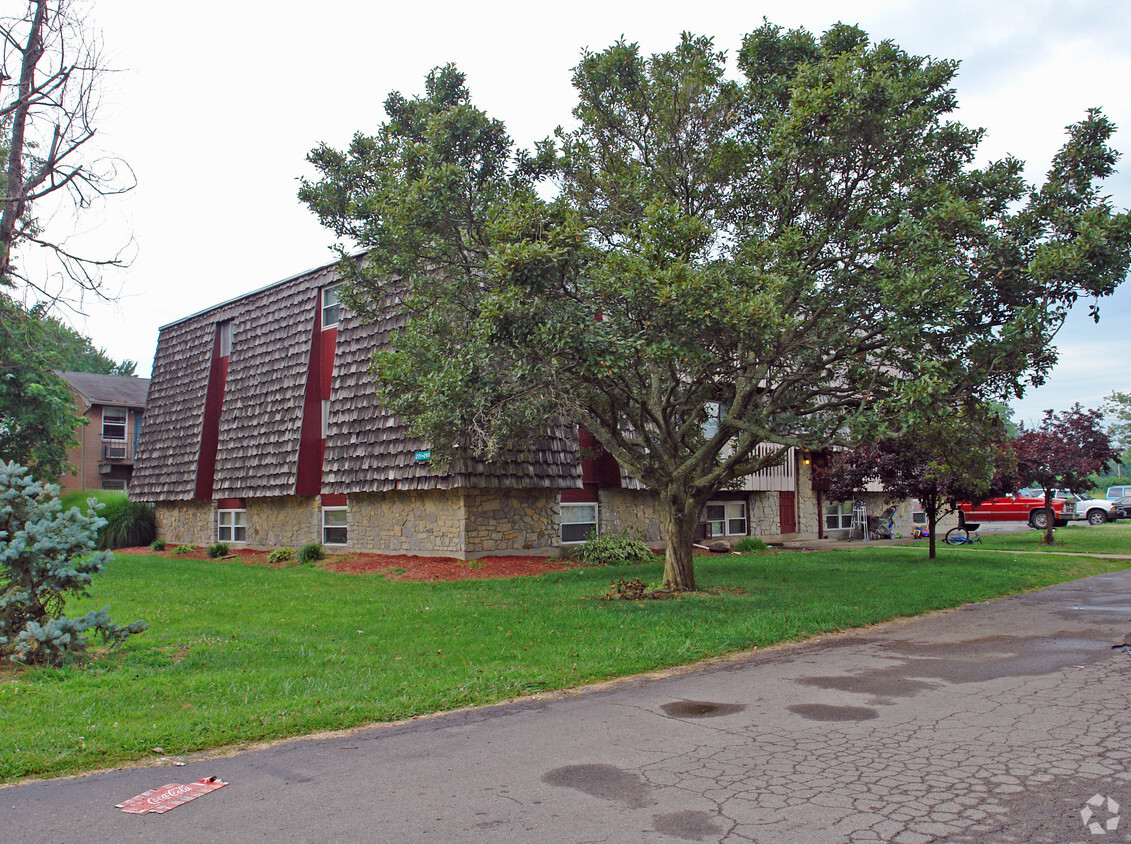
point(49, 96)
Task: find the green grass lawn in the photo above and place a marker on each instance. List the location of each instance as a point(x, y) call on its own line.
point(239, 653)
point(1112, 538)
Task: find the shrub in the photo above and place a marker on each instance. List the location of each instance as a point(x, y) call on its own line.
point(281, 555)
point(218, 549)
point(310, 553)
point(614, 547)
point(47, 553)
point(750, 545)
point(129, 524)
point(184, 549)
point(157, 545)
point(81, 498)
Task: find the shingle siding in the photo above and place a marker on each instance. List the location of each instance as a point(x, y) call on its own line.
point(367, 447)
point(165, 466)
point(261, 416)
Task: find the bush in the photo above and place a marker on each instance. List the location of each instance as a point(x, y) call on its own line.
point(614, 547)
point(184, 549)
point(47, 553)
point(81, 498)
point(157, 545)
point(750, 545)
point(219, 549)
point(310, 553)
point(281, 555)
point(129, 524)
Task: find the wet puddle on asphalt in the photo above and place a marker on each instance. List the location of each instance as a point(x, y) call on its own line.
point(699, 709)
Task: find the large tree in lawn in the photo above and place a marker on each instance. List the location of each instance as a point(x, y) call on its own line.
point(809, 248)
point(1061, 452)
point(949, 456)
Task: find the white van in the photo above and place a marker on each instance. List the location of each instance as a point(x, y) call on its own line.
point(1114, 492)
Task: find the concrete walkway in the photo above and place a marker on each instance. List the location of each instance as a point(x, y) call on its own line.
point(994, 722)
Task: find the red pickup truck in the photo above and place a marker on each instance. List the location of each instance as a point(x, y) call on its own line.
point(1021, 508)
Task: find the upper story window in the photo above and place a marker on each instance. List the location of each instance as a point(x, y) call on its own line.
point(715, 415)
point(225, 331)
point(113, 423)
point(330, 306)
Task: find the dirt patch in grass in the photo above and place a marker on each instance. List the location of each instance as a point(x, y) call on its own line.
point(395, 566)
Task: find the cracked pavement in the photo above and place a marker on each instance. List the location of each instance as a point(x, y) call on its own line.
point(994, 722)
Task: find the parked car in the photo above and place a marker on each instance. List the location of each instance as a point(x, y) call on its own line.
point(1096, 510)
point(1021, 508)
point(1123, 507)
point(1114, 492)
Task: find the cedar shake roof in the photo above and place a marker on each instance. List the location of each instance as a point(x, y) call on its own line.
point(261, 417)
point(367, 447)
point(165, 462)
point(119, 390)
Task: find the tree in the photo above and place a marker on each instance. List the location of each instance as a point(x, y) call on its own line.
point(46, 553)
point(1117, 408)
point(958, 455)
point(38, 416)
point(1062, 451)
point(68, 350)
point(48, 105)
point(810, 249)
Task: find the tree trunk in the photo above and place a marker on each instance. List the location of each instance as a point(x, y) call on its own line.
point(931, 507)
point(680, 518)
point(1051, 517)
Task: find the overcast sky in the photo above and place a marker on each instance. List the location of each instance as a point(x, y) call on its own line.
point(217, 102)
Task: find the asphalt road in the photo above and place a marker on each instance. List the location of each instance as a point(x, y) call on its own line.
point(994, 722)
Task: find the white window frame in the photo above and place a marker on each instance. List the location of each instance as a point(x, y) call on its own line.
point(570, 510)
point(225, 330)
point(345, 526)
point(331, 306)
point(841, 511)
point(124, 423)
point(231, 525)
point(734, 521)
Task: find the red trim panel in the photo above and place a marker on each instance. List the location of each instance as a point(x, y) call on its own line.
point(586, 495)
point(210, 429)
point(333, 500)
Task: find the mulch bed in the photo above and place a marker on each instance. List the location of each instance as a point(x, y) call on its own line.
point(395, 566)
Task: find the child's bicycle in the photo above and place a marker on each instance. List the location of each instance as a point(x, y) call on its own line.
point(965, 534)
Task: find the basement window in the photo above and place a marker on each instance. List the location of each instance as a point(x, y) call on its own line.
point(334, 523)
point(838, 516)
point(231, 525)
point(726, 518)
point(578, 522)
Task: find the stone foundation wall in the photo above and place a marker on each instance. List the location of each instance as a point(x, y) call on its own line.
point(425, 523)
point(511, 521)
point(808, 520)
point(289, 521)
point(631, 510)
point(764, 512)
point(186, 522)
